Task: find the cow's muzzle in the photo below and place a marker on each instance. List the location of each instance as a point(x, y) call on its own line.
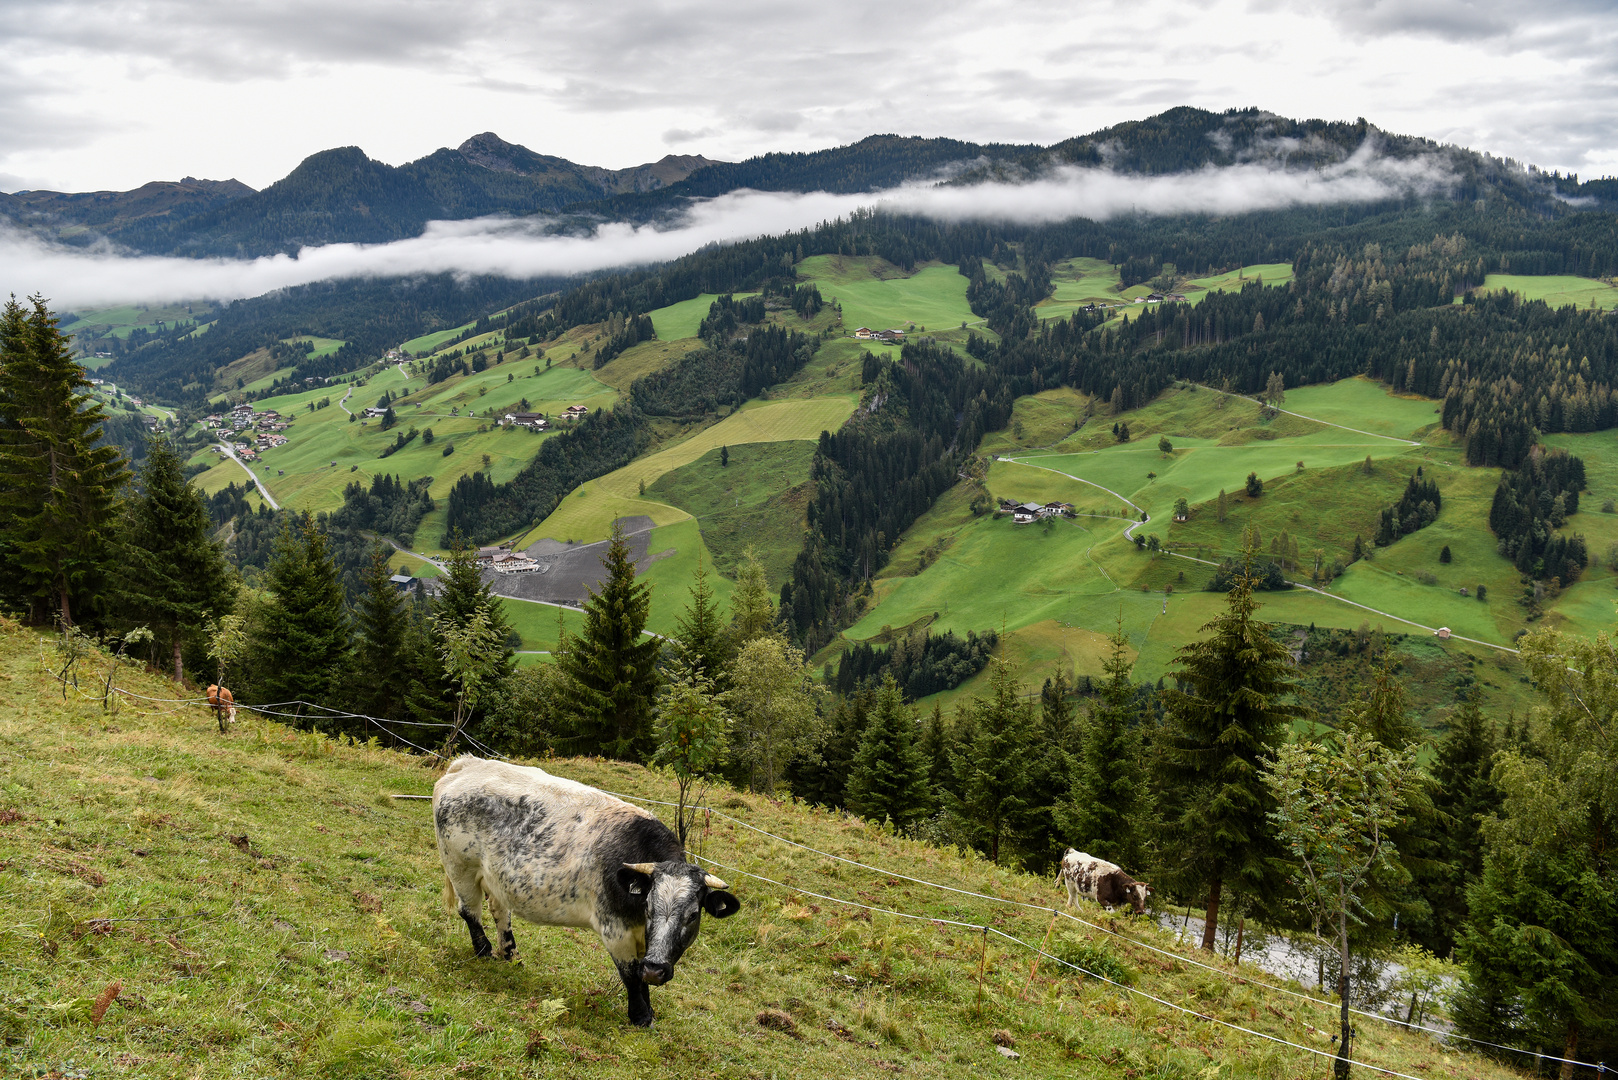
point(655, 974)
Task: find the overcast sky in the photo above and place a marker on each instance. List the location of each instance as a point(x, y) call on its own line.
point(110, 95)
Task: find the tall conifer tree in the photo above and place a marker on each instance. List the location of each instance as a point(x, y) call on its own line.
point(612, 663)
point(1222, 727)
point(997, 804)
point(889, 776)
point(303, 642)
point(702, 642)
point(382, 622)
point(58, 484)
point(1104, 813)
point(172, 573)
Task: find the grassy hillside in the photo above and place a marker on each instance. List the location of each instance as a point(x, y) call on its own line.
point(757, 500)
point(1078, 282)
point(265, 910)
point(873, 292)
point(587, 514)
point(1557, 290)
point(1057, 589)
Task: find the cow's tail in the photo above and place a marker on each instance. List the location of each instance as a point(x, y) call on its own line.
point(452, 903)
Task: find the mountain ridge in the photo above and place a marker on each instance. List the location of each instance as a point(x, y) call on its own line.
point(342, 195)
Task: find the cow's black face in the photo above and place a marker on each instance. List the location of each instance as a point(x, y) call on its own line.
point(676, 895)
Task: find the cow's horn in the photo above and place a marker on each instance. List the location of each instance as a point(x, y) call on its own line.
point(642, 867)
point(713, 882)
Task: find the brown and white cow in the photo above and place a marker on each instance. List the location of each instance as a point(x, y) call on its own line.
point(559, 853)
point(224, 705)
point(1101, 882)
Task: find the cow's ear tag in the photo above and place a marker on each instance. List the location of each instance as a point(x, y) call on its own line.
point(633, 879)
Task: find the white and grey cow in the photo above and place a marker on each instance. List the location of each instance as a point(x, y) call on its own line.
point(1101, 882)
point(559, 853)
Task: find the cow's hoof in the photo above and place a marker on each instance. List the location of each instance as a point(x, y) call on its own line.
point(641, 1021)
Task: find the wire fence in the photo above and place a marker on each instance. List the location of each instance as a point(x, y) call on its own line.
point(281, 710)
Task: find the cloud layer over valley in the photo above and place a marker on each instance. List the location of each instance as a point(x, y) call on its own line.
point(526, 248)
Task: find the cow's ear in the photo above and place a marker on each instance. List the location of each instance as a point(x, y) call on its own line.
point(633, 881)
point(721, 904)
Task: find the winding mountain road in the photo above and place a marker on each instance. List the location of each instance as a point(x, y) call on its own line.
point(263, 491)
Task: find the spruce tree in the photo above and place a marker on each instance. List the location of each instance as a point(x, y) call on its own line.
point(752, 609)
point(998, 804)
point(1464, 796)
point(822, 779)
point(613, 664)
point(173, 575)
point(935, 748)
point(302, 646)
point(58, 487)
point(1225, 718)
point(1108, 799)
point(382, 621)
point(888, 781)
point(1382, 712)
point(462, 593)
point(702, 642)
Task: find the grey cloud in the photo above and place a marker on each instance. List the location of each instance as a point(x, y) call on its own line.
point(676, 136)
point(522, 248)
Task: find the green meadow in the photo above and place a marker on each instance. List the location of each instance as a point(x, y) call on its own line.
point(587, 513)
point(1270, 274)
point(873, 292)
point(119, 321)
point(1557, 290)
point(757, 500)
point(1083, 281)
point(1077, 282)
point(1058, 589)
point(682, 319)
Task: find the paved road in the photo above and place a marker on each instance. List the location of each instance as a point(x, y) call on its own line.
point(262, 490)
point(341, 404)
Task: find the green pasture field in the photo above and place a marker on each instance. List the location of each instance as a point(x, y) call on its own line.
point(418, 345)
point(119, 321)
point(755, 422)
point(536, 622)
point(587, 513)
point(1557, 290)
point(834, 369)
point(324, 948)
point(873, 292)
point(324, 346)
point(326, 435)
point(488, 393)
point(1272, 274)
point(757, 500)
point(1367, 405)
point(977, 573)
point(1041, 420)
point(1197, 468)
point(1077, 282)
point(643, 359)
point(678, 321)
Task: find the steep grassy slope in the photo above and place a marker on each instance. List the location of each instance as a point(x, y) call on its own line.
point(265, 910)
point(757, 500)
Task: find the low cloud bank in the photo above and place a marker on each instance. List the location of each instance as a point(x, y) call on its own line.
point(520, 248)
